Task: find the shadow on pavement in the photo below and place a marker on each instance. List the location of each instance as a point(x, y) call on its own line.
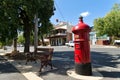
point(106, 64)
point(103, 58)
point(6, 67)
point(113, 74)
point(64, 61)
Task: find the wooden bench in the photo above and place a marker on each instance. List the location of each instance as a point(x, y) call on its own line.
point(44, 55)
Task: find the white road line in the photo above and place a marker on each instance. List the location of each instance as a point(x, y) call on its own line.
point(31, 76)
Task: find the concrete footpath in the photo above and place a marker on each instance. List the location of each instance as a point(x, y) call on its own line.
point(30, 72)
point(8, 71)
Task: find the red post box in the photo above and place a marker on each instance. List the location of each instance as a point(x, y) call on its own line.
point(82, 48)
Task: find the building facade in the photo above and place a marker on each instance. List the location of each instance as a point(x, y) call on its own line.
point(61, 34)
point(102, 40)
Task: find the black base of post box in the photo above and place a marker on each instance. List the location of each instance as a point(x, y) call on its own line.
point(83, 69)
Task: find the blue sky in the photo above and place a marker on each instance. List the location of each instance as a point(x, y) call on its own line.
point(70, 10)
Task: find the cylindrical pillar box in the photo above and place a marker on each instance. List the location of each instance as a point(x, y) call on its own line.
point(82, 48)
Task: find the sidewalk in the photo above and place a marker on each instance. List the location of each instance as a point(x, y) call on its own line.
point(102, 46)
point(47, 74)
point(8, 71)
point(30, 71)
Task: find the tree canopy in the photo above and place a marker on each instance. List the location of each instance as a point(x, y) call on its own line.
point(8, 22)
point(17, 13)
point(109, 24)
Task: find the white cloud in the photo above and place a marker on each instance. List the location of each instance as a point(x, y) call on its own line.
point(84, 14)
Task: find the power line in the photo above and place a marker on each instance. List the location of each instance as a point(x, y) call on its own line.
point(59, 10)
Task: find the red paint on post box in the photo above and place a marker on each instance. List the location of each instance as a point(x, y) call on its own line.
point(82, 48)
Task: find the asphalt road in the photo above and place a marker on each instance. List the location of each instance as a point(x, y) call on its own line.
point(104, 60)
point(107, 62)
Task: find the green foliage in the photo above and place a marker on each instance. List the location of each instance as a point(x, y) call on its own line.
point(99, 26)
point(1, 45)
point(45, 30)
point(8, 20)
point(109, 24)
point(17, 13)
point(112, 23)
point(21, 39)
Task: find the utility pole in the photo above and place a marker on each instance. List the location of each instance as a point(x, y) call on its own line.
point(36, 32)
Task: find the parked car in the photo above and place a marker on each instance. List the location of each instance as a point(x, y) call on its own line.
point(70, 44)
point(116, 42)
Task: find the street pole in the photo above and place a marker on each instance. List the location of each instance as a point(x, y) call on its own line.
point(36, 32)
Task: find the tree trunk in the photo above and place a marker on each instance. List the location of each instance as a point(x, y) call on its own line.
point(26, 28)
point(43, 43)
point(112, 38)
point(26, 36)
point(14, 52)
point(36, 33)
point(15, 44)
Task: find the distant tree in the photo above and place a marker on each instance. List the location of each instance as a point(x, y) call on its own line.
point(99, 26)
point(21, 39)
point(109, 24)
point(44, 31)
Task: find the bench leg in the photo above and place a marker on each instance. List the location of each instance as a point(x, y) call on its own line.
point(31, 60)
point(50, 64)
point(42, 65)
point(26, 62)
point(45, 63)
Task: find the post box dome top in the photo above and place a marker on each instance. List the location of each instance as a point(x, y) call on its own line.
point(80, 26)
